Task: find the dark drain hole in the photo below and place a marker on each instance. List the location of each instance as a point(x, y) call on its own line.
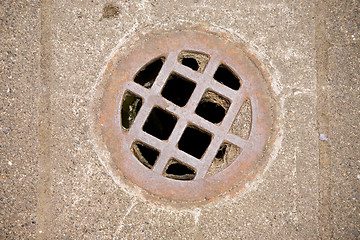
point(212, 107)
point(160, 123)
point(179, 171)
point(130, 107)
point(227, 77)
point(191, 63)
point(194, 141)
point(145, 154)
point(178, 89)
point(147, 75)
point(221, 152)
point(211, 111)
point(197, 61)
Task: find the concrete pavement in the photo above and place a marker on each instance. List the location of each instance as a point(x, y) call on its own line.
point(57, 181)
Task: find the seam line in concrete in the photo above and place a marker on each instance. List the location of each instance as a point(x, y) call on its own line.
point(45, 207)
point(324, 178)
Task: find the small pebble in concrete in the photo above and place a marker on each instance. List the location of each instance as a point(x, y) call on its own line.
point(323, 137)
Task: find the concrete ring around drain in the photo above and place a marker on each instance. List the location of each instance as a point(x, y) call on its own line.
point(119, 140)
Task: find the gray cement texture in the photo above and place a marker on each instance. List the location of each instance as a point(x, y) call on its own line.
point(57, 181)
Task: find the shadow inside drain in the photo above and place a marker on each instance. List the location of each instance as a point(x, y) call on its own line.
point(191, 63)
point(160, 123)
point(197, 61)
point(129, 109)
point(147, 75)
point(178, 89)
point(194, 141)
point(213, 107)
point(179, 171)
point(227, 77)
point(145, 154)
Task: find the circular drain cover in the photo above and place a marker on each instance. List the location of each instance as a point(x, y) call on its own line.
point(186, 116)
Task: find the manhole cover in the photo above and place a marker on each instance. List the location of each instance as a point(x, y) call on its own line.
point(186, 116)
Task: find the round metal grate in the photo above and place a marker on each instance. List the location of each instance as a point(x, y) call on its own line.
point(186, 116)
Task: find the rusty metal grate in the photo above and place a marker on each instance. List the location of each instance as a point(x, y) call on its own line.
point(169, 113)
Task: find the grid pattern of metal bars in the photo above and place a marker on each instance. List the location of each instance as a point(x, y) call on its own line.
point(186, 115)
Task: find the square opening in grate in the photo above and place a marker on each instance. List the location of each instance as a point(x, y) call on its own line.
point(178, 89)
point(147, 75)
point(213, 107)
point(227, 77)
point(129, 109)
point(179, 171)
point(145, 154)
point(197, 61)
point(160, 123)
point(194, 141)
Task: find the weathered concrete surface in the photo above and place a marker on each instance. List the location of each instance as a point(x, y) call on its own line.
point(19, 88)
point(344, 139)
point(56, 181)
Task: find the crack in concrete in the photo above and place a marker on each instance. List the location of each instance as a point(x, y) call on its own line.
point(121, 224)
